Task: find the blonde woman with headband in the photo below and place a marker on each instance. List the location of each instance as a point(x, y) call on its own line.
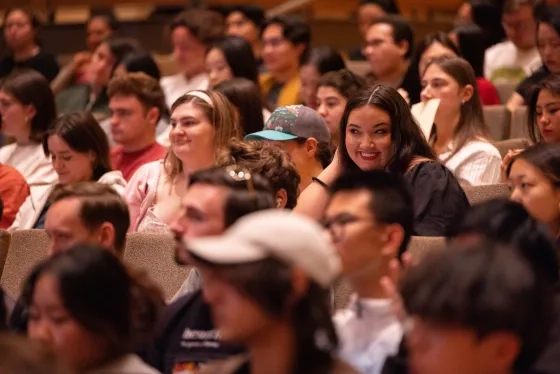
point(202, 123)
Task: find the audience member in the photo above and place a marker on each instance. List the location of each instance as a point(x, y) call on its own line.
point(98, 28)
point(518, 57)
point(231, 57)
point(319, 61)
point(27, 109)
point(285, 41)
point(192, 33)
point(468, 39)
point(548, 39)
point(20, 33)
point(434, 45)
point(246, 20)
point(368, 12)
point(389, 46)
point(138, 62)
point(215, 200)
point(137, 103)
point(19, 355)
point(543, 123)
point(85, 212)
point(487, 15)
point(203, 122)
point(379, 132)
point(534, 179)
point(460, 136)
point(246, 99)
point(333, 92)
point(302, 133)
point(270, 162)
point(13, 191)
point(92, 291)
point(79, 152)
point(474, 309)
point(275, 293)
point(369, 234)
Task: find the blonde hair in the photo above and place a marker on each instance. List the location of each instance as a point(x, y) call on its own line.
point(221, 114)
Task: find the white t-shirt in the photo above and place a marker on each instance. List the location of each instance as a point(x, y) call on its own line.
point(477, 163)
point(175, 86)
point(505, 63)
point(368, 332)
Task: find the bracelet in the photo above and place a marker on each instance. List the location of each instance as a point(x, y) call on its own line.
point(315, 179)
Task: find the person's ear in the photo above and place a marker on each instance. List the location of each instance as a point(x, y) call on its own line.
point(106, 235)
point(502, 349)
point(30, 112)
point(152, 115)
point(300, 48)
point(467, 93)
point(403, 47)
point(281, 198)
point(311, 146)
point(392, 239)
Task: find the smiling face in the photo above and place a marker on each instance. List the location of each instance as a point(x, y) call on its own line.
point(192, 134)
point(368, 137)
point(548, 116)
point(217, 67)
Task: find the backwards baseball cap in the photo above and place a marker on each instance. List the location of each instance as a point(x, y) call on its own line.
point(292, 122)
point(274, 233)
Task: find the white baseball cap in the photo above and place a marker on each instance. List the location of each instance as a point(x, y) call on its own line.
point(296, 240)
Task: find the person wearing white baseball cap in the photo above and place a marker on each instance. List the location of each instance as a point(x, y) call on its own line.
point(267, 281)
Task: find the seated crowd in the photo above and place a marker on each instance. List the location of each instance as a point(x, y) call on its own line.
point(286, 183)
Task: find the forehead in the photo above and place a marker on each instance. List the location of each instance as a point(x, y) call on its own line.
point(236, 16)
point(98, 23)
point(328, 91)
point(188, 109)
point(206, 197)
point(55, 141)
point(435, 71)
point(183, 34)
point(355, 201)
point(547, 95)
point(17, 15)
point(521, 167)
point(121, 101)
point(437, 49)
point(380, 31)
point(368, 114)
point(273, 31)
point(65, 211)
point(547, 31)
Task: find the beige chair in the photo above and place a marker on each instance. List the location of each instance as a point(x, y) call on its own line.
point(166, 64)
point(479, 194)
point(519, 123)
point(155, 253)
point(420, 245)
point(497, 118)
point(5, 239)
point(361, 68)
point(505, 145)
point(505, 90)
point(27, 249)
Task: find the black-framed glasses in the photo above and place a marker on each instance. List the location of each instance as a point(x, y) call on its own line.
point(241, 174)
point(337, 225)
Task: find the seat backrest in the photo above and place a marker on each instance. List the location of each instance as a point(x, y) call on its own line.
point(420, 245)
point(505, 90)
point(519, 123)
point(505, 145)
point(5, 239)
point(27, 249)
point(479, 194)
point(155, 253)
point(497, 118)
point(361, 68)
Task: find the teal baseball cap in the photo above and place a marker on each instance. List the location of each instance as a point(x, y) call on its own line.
point(293, 122)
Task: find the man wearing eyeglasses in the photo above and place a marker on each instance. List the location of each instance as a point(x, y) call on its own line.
point(370, 218)
point(215, 199)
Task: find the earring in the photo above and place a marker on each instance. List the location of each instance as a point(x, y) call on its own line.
point(462, 102)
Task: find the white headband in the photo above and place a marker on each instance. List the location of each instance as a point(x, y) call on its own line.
point(202, 96)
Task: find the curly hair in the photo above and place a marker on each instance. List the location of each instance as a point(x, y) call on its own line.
point(267, 160)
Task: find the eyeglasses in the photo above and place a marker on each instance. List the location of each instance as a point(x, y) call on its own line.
point(337, 225)
point(241, 174)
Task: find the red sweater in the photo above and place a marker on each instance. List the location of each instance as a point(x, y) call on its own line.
point(13, 190)
point(129, 162)
point(487, 91)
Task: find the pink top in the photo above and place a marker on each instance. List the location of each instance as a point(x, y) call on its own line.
point(141, 191)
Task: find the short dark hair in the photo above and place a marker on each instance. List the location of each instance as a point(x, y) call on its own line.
point(100, 203)
point(245, 95)
point(95, 288)
point(401, 30)
point(120, 47)
point(241, 200)
point(324, 153)
point(141, 61)
point(254, 13)
point(294, 29)
point(106, 15)
point(485, 288)
point(31, 88)
point(239, 56)
point(325, 59)
point(269, 161)
point(471, 49)
point(344, 82)
point(83, 134)
point(552, 84)
point(388, 6)
point(406, 138)
point(205, 25)
point(145, 88)
point(506, 222)
point(382, 187)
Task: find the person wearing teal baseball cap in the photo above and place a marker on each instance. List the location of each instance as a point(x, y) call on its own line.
point(304, 135)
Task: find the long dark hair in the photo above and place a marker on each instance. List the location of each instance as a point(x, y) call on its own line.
point(471, 124)
point(325, 59)
point(545, 157)
point(407, 142)
point(472, 50)
point(83, 134)
point(269, 284)
point(95, 288)
point(551, 84)
point(239, 56)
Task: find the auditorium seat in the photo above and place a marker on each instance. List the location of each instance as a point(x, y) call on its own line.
point(505, 145)
point(518, 123)
point(361, 68)
point(479, 194)
point(420, 245)
point(505, 90)
point(497, 118)
point(27, 249)
point(4, 247)
point(155, 253)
